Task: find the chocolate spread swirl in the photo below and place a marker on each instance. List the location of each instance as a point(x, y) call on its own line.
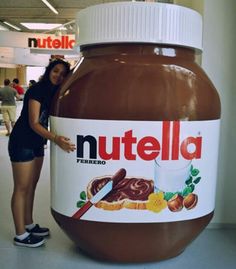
point(127, 188)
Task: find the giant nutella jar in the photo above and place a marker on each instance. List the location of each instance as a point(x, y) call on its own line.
point(145, 120)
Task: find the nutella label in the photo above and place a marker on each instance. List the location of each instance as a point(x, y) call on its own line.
point(135, 171)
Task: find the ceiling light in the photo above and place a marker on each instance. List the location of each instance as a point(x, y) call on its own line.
point(50, 6)
point(40, 26)
point(12, 26)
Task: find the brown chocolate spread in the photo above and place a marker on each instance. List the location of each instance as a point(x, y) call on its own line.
point(145, 82)
point(127, 188)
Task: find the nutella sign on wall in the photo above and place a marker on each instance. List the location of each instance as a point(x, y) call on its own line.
point(64, 42)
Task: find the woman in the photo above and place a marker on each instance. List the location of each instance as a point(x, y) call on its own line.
point(26, 151)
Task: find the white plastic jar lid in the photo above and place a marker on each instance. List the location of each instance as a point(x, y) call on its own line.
point(139, 22)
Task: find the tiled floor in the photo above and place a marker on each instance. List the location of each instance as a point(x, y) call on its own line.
point(214, 248)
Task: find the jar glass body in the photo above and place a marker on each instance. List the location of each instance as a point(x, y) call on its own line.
point(136, 82)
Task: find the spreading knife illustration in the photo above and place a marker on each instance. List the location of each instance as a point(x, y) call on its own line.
point(119, 175)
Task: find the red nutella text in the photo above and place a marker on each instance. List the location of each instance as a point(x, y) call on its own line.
point(147, 148)
point(49, 43)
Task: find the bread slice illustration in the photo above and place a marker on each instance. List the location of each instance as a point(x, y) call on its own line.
point(130, 192)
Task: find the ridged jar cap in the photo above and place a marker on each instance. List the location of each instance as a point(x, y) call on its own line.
point(139, 22)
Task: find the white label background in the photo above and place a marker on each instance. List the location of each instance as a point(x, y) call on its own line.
point(69, 178)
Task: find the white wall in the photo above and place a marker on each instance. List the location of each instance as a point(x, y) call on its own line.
point(218, 60)
point(34, 72)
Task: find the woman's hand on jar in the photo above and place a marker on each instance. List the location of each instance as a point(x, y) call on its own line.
point(64, 143)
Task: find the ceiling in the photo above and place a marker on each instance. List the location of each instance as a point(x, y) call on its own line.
point(17, 11)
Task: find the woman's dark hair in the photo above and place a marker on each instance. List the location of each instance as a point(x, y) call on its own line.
point(51, 65)
point(32, 81)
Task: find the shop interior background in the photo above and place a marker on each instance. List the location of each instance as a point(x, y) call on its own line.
point(218, 60)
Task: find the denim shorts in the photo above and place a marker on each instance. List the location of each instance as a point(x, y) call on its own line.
point(24, 154)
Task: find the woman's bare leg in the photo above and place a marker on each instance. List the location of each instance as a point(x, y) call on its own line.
point(37, 166)
point(22, 175)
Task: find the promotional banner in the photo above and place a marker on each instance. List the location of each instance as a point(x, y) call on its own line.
point(36, 41)
point(33, 49)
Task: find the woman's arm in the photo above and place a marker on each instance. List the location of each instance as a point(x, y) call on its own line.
point(34, 113)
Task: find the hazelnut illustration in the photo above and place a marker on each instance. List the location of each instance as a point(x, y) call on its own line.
point(175, 204)
point(190, 201)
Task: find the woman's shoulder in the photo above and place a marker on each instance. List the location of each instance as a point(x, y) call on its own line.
point(36, 91)
point(34, 87)
point(39, 86)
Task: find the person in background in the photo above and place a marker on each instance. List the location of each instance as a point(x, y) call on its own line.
point(8, 108)
point(18, 88)
point(26, 151)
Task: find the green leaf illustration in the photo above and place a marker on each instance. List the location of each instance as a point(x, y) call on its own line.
point(83, 195)
point(168, 195)
point(189, 181)
point(187, 191)
point(192, 187)
point(179, 192)
point(80, 203)
point(194, 172)
point(197, 180)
